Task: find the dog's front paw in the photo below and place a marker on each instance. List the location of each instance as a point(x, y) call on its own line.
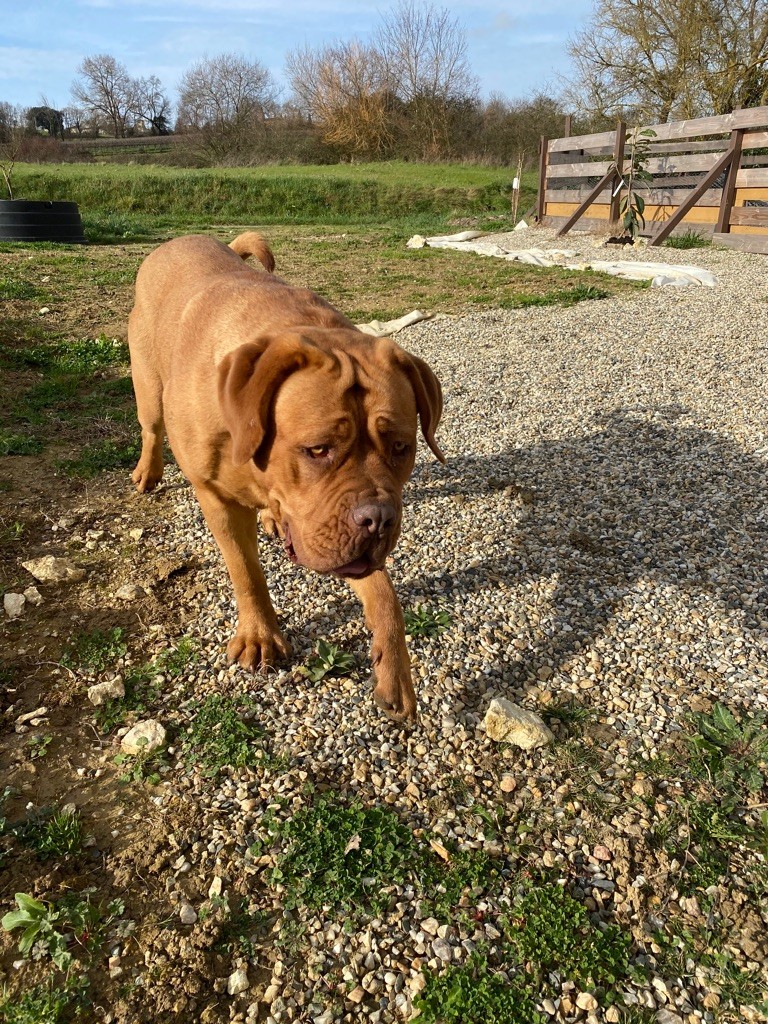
point(256, 647)
point(393, 691)
point(147, 476)
point(269, 524)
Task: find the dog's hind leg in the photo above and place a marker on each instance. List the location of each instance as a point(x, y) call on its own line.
point(148, 389)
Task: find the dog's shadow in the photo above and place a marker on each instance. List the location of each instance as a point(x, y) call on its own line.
point(641, 502)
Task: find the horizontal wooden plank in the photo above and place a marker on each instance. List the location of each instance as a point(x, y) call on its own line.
point(751, 117)
point(663, 197)
point(652, 213)
point(754, 216)
point(600, 226)
point(683, 146)
point(743, 194)
point(583, 142)
point(682, 164)
point(585, 170)
point(743, 242)
point(752, 178)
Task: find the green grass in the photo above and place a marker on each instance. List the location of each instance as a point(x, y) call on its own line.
point(95, 651)
point(354, 193)
point(546, 932)
point(688, 240)
point(12, 288)
point(55, 834)
point(105, 455)
point(222, 737)
point(556, 297)
point(142, 689)
point(343, 856)
point(19, 444)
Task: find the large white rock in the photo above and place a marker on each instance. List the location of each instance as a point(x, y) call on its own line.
point(238, 982)
point(14, 605)
point(50, 569)
point(110, 690)
point(143, 738)
point(508, 722)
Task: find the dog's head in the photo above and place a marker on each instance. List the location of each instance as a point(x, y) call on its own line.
point(329, 418)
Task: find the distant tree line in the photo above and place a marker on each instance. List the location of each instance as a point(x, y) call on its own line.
point(408, 91)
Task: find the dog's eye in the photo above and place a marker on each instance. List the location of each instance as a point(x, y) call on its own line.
point(318, 451)
point(400, 447)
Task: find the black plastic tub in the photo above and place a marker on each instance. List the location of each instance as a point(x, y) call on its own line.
point(26, 220)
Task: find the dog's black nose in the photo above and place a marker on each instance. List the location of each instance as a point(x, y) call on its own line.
point(374, 517)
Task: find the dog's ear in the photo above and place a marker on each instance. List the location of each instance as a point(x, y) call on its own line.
point(429, 395)
point(249, 379)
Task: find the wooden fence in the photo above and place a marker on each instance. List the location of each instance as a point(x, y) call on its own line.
point(710, 175)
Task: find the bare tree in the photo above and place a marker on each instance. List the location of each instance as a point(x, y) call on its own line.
point(107, 92)
point(225, 90)
point(10, 119)
point(424, 49)
point(656, 59)
point(75, 119)
point(346, 89)
point(152, 105)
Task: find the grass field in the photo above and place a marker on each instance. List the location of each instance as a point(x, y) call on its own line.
point(422, 195)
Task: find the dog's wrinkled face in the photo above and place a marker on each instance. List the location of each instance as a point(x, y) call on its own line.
point(338, 443)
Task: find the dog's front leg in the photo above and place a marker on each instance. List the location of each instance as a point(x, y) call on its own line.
point(391, 665)
point(258, 641)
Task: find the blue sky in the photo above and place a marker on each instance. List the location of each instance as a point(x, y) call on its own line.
point(515, 48)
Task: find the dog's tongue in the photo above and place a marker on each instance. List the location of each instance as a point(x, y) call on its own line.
point(359, 567)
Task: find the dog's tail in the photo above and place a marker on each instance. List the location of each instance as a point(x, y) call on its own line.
point(250, 243)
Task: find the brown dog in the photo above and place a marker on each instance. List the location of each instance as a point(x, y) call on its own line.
point(274, 401)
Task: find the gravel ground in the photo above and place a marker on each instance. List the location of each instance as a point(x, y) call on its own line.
point(597, 535)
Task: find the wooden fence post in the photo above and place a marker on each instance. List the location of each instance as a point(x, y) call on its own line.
point(567, 126)
point(541, 204)
point(618, 157)
point(729, 189)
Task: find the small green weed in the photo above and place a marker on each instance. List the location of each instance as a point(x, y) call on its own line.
point(43, 1004)
point(550, 931)
point(424, 620)
point(11, 531)
point(37, 746)
point(457, 884)
point(688, 240)
point(731, 752)
point(343, 855)
point(569, 712)
point(141, 688)
point(141, 767)
point(95, 651)
point(475, 993)
point(52, 928)
point(222, 737)
point(329, 660)
point(19, 444)
point(56, 834)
